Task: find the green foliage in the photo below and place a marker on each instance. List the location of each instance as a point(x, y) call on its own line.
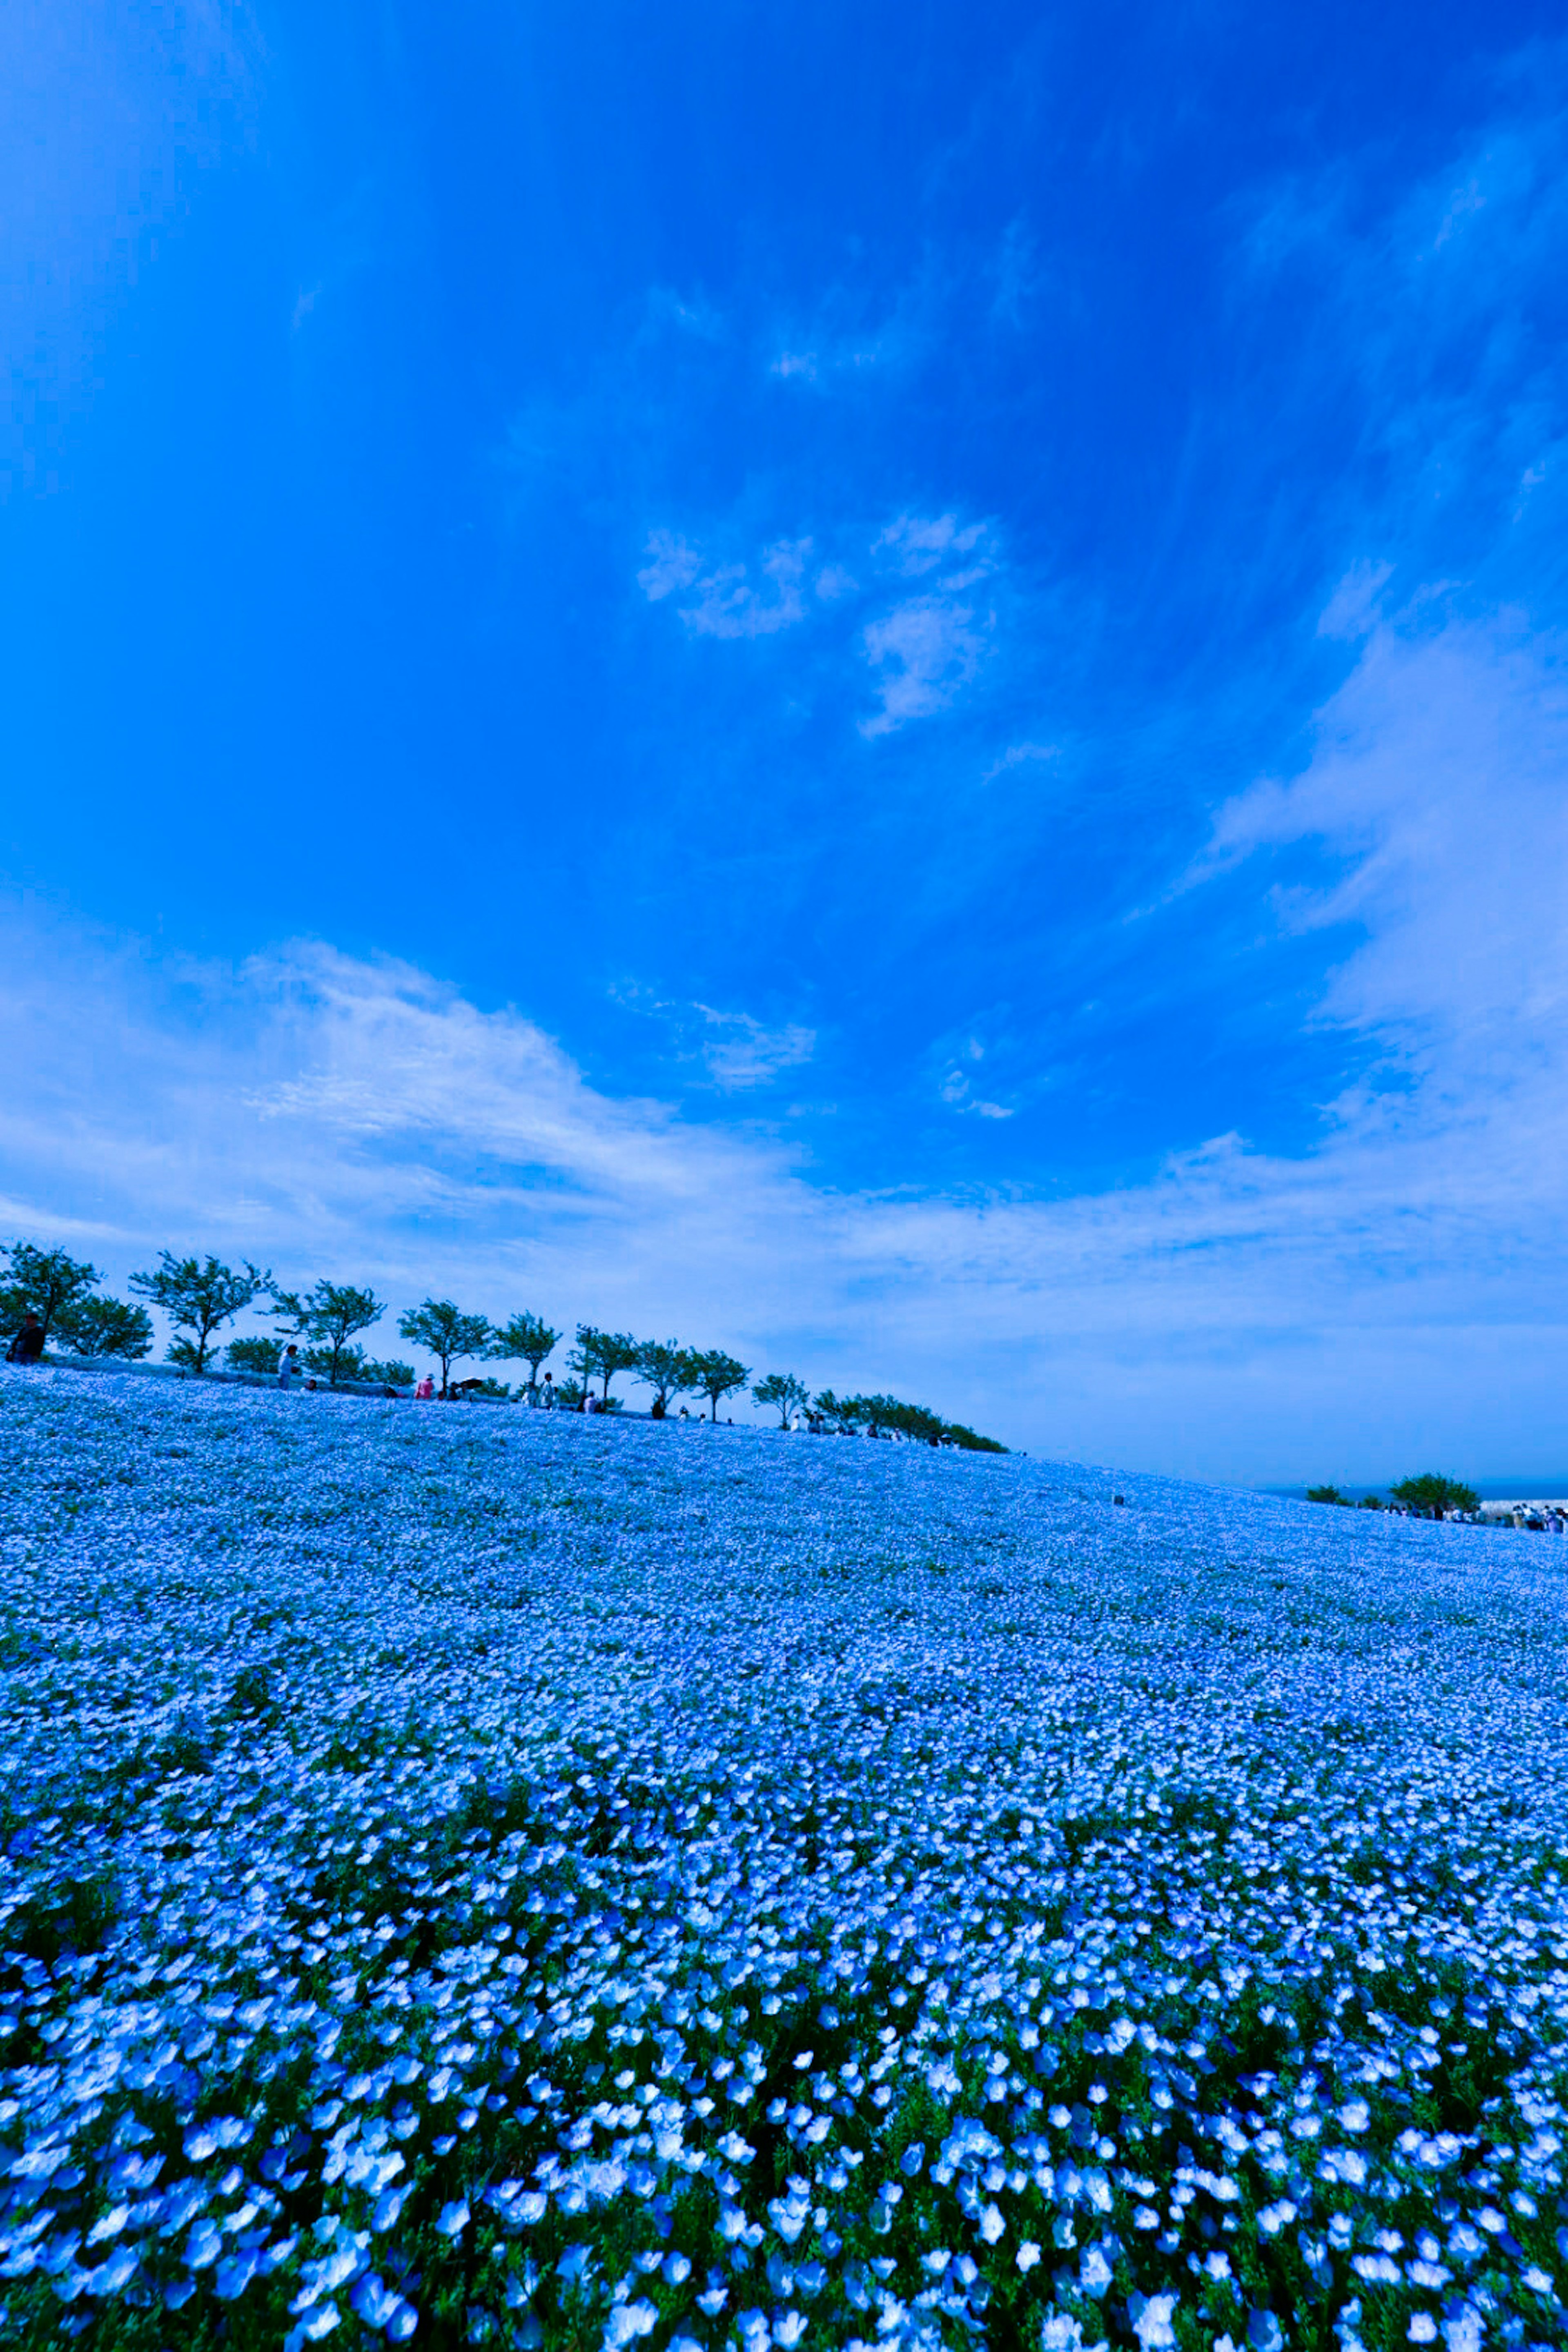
point(781, 1389)
point(446, 1332)
point(106, 1327)
point(199, 1297)
point(877, 1413)
point(351, 1363)
point(526, 1339)
point(666, 1368)
point(1430, 1492)
point(329, 1316)
point(600, 1355)
point(714, 1375)
point(1326, 1494)
point(45, 1283)
point(571, 1394)
point(969, 1441)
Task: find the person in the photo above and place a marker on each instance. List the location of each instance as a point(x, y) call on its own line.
point(427, 1387)
point(549, 1394)
point(684, 1414)
point(28, 1344)
point(288, 1365)
point(656, 1412)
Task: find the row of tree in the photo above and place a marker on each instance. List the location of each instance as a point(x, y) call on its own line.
point(201, 1296)
point(1428, 1495)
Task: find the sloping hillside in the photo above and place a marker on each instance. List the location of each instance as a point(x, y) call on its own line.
point(497, 1878)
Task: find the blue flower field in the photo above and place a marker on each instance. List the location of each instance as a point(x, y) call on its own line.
point(474, 1876)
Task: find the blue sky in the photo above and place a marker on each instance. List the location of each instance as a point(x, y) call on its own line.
point(885, 685)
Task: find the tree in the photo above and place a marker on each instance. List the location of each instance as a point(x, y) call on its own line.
point(394, 1373)
point(600, 1355)
point(526, 1339)
point(260, 1357)
point(970, 1440)
point(784, 1390)
point(45, 1283)
point(1429, 1492)
point(1326, 1494)
point(106, 1327)
point(665, 1366)
point(198, 1298)
point(328, 1316)
point(448, 1334)
point(717, 1374)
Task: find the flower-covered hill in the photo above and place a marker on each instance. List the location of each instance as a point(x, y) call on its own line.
point(486, 1876)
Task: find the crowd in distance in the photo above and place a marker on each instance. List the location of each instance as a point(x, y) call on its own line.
point(48, 1294)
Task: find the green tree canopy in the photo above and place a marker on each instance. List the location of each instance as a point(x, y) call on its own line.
point(717, 1375)
point(969, 1441)
point(600, 1355)
point(447, 1333)
point(42, 1282)
point(199, 1296)
point(1326, 1494)
point(782, 1389)
point(917, 1420)
point(328, 1316)
point(355, 1365)
point(106, 1327)
point(526, 1339)
point(1431, 1492)
point(665, 1367)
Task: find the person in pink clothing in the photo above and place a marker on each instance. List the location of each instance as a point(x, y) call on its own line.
point(427, 1387)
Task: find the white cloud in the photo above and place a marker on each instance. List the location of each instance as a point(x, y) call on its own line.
point(923, 649)
point(741, 1052)
point(917, 543)
point(930, 645)
point(926, 650)
point(1441, 780)
point(1019, 755)
point(726, 604)
point(672, 563)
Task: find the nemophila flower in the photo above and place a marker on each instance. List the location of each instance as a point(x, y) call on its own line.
point(490, 1804)
point(1151, 2317)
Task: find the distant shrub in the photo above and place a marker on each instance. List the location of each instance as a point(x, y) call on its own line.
point(1326, 1494)
point(253, 1355)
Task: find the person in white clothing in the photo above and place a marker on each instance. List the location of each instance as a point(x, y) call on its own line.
point(288, 1365)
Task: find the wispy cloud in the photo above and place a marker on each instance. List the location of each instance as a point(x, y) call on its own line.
point(923, 648)
point(929, 646)
point(741, 1052)
point(725, 602)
